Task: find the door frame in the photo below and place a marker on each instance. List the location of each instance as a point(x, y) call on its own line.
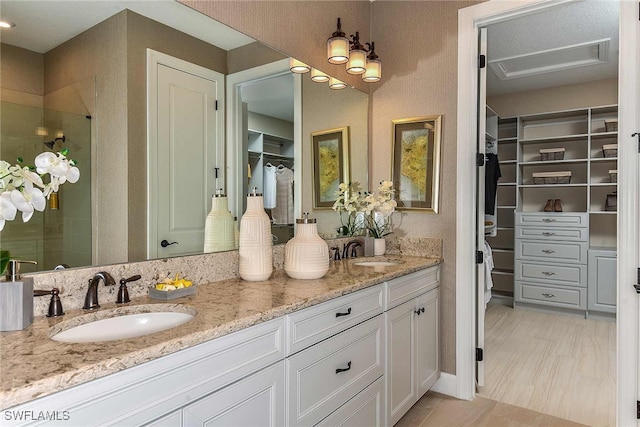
point(470, 19)
point(155, 58)
point(234, 173)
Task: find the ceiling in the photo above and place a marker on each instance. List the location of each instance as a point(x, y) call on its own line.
point(568, 24)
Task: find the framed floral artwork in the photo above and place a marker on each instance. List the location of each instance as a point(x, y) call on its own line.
point(330, 164)
point(416, 162)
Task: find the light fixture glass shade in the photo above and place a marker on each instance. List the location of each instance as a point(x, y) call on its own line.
point(373, 72)
point(298, 67)
point(6, 24)
point(336, 84)
point(338, 50)
point(357, 62)
point(318, 76)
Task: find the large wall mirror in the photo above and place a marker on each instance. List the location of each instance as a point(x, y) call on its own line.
point(86, 78)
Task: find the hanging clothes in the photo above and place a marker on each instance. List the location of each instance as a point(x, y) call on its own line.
point(269, 190)
point(491, 176)
point(283, 211)
point(488, 266)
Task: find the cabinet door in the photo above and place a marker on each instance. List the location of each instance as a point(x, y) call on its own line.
point(428, 368)
point(257, 400)
point(602, 293)
point(400, 372)
point(364, 410)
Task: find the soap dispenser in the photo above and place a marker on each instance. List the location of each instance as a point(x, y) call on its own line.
point(307, 254)
point(16, 298)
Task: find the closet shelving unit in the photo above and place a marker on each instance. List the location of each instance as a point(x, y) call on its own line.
point(582, 133)
point(502, 243)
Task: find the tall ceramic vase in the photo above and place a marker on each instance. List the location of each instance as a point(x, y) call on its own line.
point(379, 246)
point(255, 246)
point(219, 229)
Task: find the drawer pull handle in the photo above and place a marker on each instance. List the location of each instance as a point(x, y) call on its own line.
point(548, 220)
point(418, 311)
point(548, 295)
point(344, 369)
point(548, 273)
point(548, 251)
point(348, 312)
point(546, 233)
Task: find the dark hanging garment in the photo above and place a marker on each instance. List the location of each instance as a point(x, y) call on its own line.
point(491, 176)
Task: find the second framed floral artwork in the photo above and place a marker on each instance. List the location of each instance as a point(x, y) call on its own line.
point(330, 164)
point(416, 162)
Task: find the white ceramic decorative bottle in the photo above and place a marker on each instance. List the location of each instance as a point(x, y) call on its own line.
point(255, 247)
point(307, 254)
point(219, 228)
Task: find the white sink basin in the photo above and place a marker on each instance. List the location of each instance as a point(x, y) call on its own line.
point(122, 326)
point(376, 263)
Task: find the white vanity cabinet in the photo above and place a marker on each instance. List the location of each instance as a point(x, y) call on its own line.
point(412, 348)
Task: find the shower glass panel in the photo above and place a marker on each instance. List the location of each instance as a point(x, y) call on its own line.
point(55, 236)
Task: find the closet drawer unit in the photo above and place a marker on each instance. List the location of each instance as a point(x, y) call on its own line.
point(557, 274)
point(552, 220)
point(562, 234)
point(574, 298)
point(534, 250)
point(314, 324)
point(324, 376)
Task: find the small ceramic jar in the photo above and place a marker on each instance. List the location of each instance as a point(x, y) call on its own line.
point(307, 254)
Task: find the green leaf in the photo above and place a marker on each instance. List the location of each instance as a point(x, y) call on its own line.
point(5, 256)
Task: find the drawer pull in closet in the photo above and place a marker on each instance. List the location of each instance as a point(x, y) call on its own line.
point(344, 369)
point(548, 295)
point(548, 273)
point(348, 312)
point(548, 251)
point(546, 233)
point(548, 220)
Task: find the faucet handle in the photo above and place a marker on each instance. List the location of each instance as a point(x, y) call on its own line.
point(336, 255)
point(123, 292)
point(55, 305)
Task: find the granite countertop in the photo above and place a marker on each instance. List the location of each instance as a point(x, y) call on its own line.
point(34, 366)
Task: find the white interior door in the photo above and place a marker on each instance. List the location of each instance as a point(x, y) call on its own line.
point(481, 150)
point(184, 149)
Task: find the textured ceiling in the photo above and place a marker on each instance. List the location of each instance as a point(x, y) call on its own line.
point(564, 25)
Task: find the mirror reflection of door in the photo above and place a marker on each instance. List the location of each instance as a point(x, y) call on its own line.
point(185, 144)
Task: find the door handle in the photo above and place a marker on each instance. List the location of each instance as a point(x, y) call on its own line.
point(418, 311)
point(344, 369)
point(165, 243)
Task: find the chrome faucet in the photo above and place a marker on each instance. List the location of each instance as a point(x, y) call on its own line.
point(91, 300)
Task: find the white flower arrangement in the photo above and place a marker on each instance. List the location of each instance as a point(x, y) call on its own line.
point(22, 189)
point(365, 210)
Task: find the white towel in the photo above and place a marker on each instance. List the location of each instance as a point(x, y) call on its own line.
point(488, 266)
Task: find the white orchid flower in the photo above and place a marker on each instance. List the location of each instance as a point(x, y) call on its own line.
point(7, 208)
point(57, 166)
point(28, 200)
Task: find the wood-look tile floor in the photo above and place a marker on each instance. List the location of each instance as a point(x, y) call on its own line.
point(541, 370)
point(555, 364)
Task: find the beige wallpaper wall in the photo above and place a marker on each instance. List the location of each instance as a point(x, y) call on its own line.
point(22, 79)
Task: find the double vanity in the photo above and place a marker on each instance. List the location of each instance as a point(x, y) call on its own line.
point(358, 347)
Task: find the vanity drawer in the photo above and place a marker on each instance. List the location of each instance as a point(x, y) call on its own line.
point(366, 409)
point(324, 376)
point(557, 274)
point(562, 234)
point(568, 252)
point(314, 324)
point(552, 219)
point(575, 298)
point(404, 288)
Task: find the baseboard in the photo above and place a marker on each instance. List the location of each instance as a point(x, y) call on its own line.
point(447, 384)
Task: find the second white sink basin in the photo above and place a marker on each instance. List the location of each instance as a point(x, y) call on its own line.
point(376, 263)
point(122, 327)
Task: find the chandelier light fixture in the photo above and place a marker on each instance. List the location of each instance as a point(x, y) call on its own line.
point(298, 67)
point(318, 76)
point(360, 59)
point(338, 46)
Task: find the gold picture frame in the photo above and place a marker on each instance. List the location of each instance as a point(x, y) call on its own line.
point(416, 162)
point(330, 164)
